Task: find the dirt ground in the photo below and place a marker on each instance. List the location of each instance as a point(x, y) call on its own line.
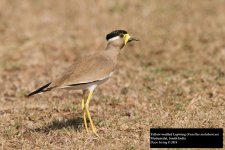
point(173, 77)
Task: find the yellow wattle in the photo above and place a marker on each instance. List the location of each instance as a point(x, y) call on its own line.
point(127, 37)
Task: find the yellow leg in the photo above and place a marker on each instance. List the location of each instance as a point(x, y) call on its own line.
point(88, 113)
point(84, 112)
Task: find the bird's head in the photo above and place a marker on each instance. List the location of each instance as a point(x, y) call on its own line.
point(120, 38)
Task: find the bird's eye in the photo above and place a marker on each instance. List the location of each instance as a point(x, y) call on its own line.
point(121, 35)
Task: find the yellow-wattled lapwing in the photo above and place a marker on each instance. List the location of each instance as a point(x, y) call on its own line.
point(88, 72)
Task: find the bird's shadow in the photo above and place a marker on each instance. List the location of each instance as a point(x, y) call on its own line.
point(73, 123)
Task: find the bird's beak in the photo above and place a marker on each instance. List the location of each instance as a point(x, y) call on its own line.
point(132, 39)
point(129, 38)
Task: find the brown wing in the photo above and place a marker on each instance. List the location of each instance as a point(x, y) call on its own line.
point(86, 69)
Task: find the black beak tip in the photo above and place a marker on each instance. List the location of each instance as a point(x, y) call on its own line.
point(134, 39)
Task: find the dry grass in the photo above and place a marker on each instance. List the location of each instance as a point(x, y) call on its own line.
point(174, 77)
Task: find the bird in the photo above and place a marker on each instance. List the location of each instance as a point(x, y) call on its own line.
point(90, 71)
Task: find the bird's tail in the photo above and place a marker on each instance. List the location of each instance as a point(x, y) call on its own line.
point(40, 90)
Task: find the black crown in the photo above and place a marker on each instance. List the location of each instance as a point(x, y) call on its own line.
point(115, 33)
